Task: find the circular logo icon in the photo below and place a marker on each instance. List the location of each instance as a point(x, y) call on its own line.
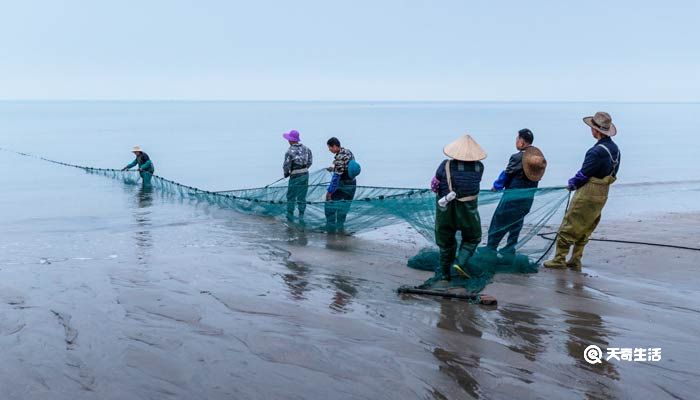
point(593, 354)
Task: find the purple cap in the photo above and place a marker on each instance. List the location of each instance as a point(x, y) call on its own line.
point(292, 136)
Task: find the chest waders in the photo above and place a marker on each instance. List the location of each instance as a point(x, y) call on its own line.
point(461, 215)
point(297, 190)
point(582, 218)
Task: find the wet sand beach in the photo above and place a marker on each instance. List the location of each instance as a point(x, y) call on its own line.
point(209, 316)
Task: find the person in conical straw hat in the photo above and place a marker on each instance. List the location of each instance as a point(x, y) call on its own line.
point(456, 182)
point(524, 171)
point(591, 183)
point(146, 168)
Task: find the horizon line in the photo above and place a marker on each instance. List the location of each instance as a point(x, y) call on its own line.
point(182, 100)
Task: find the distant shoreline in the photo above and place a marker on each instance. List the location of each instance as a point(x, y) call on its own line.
point(386, 101)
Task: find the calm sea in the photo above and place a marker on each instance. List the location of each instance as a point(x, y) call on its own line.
point(228, 145)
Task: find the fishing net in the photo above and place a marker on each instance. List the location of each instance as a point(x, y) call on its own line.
point(525, 210)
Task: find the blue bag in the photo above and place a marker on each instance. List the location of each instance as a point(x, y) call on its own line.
point(354, 169)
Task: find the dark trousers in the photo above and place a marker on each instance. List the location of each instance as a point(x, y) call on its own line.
point(462, 217)
point(297, 189)
point(337, 209)
point(509, 217)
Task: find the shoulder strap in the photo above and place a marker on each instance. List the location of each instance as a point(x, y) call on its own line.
point(614, 161)
point(449, 175)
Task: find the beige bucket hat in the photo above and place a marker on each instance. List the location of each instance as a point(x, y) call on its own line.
point(137, 149)
point(534, 164)
point(602, 122)
point(465, 149)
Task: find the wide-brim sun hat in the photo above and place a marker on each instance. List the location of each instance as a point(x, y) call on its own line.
point(534, 164)
point(292, 136)
point(465, 149)
point(137, 149)
point(602, 122)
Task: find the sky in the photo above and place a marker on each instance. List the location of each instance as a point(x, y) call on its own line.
point(405, 50)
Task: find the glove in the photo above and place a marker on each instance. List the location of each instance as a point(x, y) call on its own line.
point(124, 169)
point(435, 184)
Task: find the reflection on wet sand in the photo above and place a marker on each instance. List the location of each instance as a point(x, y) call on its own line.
point(585, 328)
point(296, 280)
point(520, 324)
point(459, 317)
point(344, 293)
point(144, 240)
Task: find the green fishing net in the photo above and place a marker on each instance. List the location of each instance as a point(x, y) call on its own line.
point(374, 207)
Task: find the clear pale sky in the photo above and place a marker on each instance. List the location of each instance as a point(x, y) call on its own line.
point(351, 50)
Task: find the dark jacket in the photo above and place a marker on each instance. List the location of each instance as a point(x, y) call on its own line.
point(466, 177)
point(598, 163)
point(513, 177)
point(144, 162)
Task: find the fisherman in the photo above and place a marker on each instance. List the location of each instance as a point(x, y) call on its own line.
point(145, 165)
point(591, 183)
point(297, 162)
point(456, 183)
point(342, 188)
point(524, 171)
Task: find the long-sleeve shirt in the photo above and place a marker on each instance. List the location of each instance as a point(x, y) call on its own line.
point(601, 160)
point(143, 161)
point(340, 168)
point(297, 157)
point(513, 177)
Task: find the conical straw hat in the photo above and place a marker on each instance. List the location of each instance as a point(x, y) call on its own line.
point(465, 149)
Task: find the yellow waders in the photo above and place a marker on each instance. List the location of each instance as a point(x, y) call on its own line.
point(580, 221)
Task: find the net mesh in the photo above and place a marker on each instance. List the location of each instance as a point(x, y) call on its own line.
point(375, 207)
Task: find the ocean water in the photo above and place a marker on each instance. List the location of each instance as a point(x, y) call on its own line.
point(129, 294)
point(222, 145)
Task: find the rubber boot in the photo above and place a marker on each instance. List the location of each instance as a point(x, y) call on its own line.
point(445, 273)
point(559, 260)
point(576, 255)
point(461, 264)
point(461, 272)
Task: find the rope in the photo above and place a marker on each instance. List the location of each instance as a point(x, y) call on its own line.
point(568, 200)
point(672, 246)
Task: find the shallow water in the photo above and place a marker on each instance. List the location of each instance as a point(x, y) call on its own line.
point(110, 291)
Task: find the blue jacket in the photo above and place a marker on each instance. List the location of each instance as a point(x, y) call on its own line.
point(598, 163)
point(466, 177)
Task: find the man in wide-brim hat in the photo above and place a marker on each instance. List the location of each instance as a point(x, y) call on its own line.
point(591, 183)
point(461, 175)
point(146, 167)
point(520, 180)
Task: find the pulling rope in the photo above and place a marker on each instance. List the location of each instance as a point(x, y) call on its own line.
point(672, 246)
point(554, 241)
